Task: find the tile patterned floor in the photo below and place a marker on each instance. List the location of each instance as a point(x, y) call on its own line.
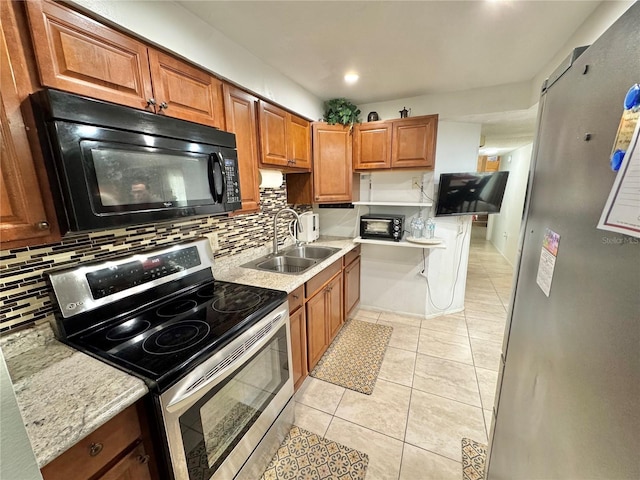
point(436, 385)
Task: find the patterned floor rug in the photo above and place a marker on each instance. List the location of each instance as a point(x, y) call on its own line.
point(474, 456)
point(354, 358)
point(306, 456)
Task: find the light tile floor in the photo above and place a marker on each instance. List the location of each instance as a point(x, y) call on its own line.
point(436, 385)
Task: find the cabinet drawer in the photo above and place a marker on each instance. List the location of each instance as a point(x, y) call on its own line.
point(96, 450)
point(296, 298)
point(351, 256)
point(317, 282)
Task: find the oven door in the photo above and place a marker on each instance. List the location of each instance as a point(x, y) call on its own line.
point(110, 178)
point(216, 416)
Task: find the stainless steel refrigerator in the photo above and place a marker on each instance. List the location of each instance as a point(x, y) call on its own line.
point(568, 395)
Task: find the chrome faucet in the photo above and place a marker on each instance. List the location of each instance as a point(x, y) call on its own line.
point(275, 227)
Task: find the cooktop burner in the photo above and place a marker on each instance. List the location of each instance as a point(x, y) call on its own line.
point(170, 335)
point(176, 337)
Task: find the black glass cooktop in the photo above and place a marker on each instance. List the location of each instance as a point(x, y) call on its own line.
point(174, 335)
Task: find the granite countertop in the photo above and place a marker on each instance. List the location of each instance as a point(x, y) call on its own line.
point(64, 394)
point(229, 270)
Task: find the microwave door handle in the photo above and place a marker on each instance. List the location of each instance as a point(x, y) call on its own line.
point(211, 171)
point(224, 175)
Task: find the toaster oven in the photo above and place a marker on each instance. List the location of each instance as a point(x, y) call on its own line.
point(382, 227)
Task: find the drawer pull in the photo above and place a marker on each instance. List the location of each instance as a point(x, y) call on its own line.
point(95, 449)
point(296, 297)
point(144, 459)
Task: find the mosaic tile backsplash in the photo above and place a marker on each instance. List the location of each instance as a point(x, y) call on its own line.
point(24, 296)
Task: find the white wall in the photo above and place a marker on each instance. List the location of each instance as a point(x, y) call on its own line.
point(505, 227)
point(167, 24)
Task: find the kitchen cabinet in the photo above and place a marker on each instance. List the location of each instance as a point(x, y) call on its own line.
point(401, 143)
point(332, 180)
point(116, 450)
point(351, 281)
point(26, 208)
point(78, 54)
point(285, 139)
point(298, 326)
point(324, 311)
point(241, 118)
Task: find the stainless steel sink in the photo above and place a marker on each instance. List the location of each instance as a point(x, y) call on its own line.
point(292, 260)
point(306, 251)
point(284, 264)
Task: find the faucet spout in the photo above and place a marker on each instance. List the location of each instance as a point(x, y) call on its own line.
point(275, 226)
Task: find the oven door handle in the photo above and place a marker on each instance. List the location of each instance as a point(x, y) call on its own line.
point(193, 389)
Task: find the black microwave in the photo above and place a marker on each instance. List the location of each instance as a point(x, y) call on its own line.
point(382, 227)
point(112, 166)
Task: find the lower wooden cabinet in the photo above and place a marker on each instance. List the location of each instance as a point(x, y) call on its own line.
point(298, 324)
point(324, 310)
point(351, 286)
point(317, 311)
point(116, 450)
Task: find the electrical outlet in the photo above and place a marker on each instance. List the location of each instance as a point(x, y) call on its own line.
point(416, 182)
point(213, 240)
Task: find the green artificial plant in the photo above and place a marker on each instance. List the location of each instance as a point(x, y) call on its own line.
point(342, 111)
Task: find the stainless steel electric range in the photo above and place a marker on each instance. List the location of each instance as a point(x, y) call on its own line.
point(215, 355)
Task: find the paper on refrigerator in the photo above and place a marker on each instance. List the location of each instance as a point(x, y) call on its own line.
point(621, 213)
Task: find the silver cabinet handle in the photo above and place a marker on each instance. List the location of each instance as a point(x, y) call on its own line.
point(143, 459)
point(43, 225)
point(163, 106)
point(151, 101)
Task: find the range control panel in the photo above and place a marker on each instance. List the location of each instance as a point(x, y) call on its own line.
point(233, 185)
point(117, 278)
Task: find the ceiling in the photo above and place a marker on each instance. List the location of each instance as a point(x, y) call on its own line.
point(404, 49)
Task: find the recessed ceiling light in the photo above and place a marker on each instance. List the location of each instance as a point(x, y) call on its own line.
point(351, 78)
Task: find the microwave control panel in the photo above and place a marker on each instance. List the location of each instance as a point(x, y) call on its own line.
point(233, 181)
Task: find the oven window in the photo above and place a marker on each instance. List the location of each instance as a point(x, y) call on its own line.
point(377, 226)
point(215, 425)
point(133, 177)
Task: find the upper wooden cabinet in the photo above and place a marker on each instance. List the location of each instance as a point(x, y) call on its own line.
point(285, 139)
point(26, 212)
point(372, 145)
point(183, 91)
point(403, 143)
point(241, 118)
point(333, 178)
point(77, 54)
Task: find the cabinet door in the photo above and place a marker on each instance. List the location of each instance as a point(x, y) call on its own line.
point(23, 219)
point(317, 340)
point(335, 307)
point(273, 134)
point(134, 466)
point(372, 146)
point(351, 287)
point(80, 55)
point(241, 119)
point(185, 92)
point(414, 142)
point(298, 347)
point(299, 143)
point(332, 166)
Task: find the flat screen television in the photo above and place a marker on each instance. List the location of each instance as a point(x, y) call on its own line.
point(470, 193)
